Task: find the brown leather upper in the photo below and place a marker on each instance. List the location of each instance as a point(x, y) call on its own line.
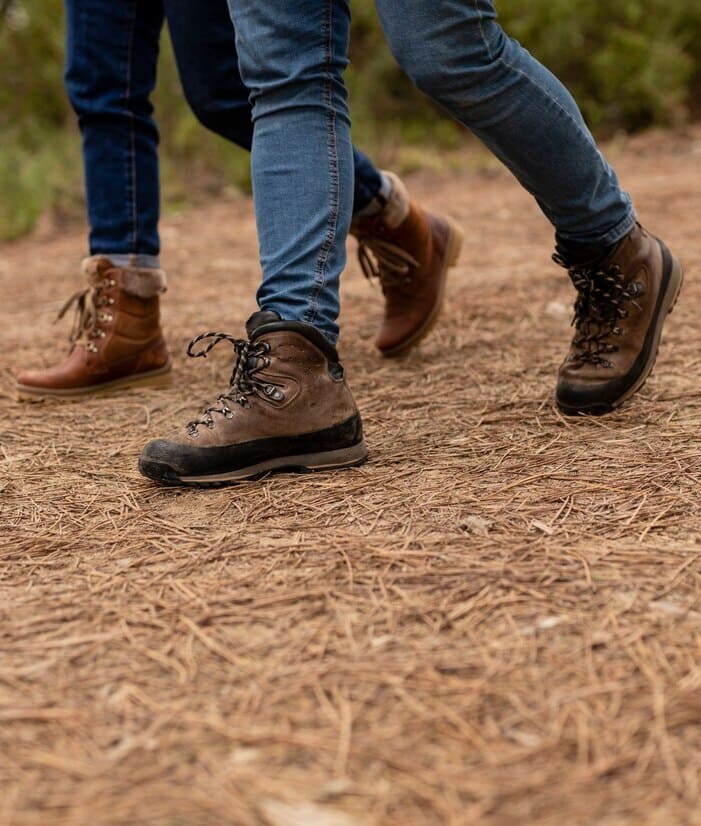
point(638, 259)
point(296, 391)
point(117, 335)
point(412, 286)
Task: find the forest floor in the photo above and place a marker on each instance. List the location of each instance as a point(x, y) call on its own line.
point(496, 621)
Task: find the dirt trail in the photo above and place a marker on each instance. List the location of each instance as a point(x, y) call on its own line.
point(496, 621)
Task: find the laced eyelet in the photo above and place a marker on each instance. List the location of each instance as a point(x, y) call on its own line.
point(603, 300)
point(273, 392)
point(246, 384)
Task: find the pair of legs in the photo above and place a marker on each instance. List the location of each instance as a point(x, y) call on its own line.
point(111, 61)
point(287, 404)
point(456, 52)
point(112, 54)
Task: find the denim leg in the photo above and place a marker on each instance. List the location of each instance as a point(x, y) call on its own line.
point(203, 42)
point(111, 56)
point(292, 57)
point(368, 181)
point(205, 52)
point(456, 52)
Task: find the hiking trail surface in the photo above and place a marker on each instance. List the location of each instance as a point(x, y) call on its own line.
point(496, 621)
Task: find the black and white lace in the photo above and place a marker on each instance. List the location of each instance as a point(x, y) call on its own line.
point(602, 299)
point(245, 381)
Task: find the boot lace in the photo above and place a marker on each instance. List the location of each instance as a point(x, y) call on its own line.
point(601, 302)
point(251, 358)
point(385, 261)
point(88, 305)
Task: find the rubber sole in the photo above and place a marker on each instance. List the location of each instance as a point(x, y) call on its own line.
point(674, 286)
point(452, 255)
point(347, 457)
point(163, 377)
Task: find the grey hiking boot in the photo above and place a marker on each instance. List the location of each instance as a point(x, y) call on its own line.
point(287, 408)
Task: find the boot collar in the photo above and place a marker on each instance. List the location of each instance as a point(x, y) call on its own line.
point(268, 321)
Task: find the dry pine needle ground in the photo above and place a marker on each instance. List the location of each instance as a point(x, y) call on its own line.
point(496, 621)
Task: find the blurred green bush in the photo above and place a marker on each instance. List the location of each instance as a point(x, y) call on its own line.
point(631, 64)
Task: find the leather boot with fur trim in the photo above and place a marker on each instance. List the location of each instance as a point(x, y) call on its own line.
point(410, 252)
point(287, 408)
point(116, 341)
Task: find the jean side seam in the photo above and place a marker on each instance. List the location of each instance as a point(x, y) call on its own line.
point(131, 165)
point(332, 149)
point(630, 219)
point(482, 34)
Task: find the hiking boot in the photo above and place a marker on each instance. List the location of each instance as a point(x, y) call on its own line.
point(409, 251)
point(287, 408)
point(116, 341)
point(623, 300)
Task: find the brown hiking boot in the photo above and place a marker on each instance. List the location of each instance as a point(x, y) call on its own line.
point(409, 251)
point(116, 341)
point(287, 408)
point(622, 304)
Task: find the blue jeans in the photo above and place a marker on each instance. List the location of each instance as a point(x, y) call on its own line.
point(292, 57)
point(111, 57)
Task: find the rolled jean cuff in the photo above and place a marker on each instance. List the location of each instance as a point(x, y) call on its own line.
point(144, 262)
point(620, 231)
point(609, 238)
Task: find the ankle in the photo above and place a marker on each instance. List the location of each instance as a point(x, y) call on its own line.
point(576, 254)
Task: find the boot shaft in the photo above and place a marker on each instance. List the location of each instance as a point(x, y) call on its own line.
point(125, 304)
point(116, 339)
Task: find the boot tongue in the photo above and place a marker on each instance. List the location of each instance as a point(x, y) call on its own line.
point(580, 255)
point(259, 319)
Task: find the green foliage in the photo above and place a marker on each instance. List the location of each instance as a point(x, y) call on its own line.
point(39, 151)
point(630, 64)
point(34, 180)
